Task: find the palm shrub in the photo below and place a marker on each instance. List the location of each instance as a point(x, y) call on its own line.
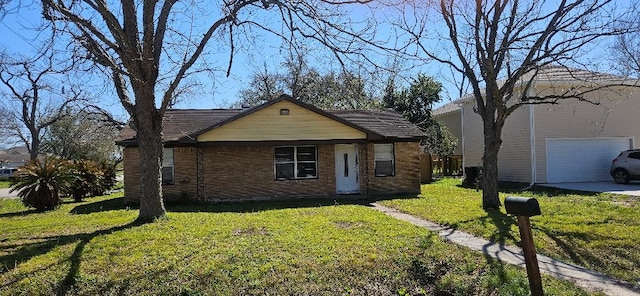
point(108, 177)
point(88, 175)
point(40, 183)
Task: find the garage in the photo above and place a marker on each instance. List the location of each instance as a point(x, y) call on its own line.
point(582, 159)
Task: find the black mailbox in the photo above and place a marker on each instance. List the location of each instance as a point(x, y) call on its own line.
point(522, 206)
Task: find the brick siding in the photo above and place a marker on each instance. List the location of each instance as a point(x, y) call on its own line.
point(230, 173)
point(247, 172)
point(185, 182)
point(407, 171)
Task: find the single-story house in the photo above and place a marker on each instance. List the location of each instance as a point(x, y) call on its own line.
point(569, 141)
point(14, 157)
point(281, 149)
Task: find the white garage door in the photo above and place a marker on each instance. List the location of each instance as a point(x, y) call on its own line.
point(582, 160)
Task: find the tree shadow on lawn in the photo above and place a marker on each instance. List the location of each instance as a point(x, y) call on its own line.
point(20, 253)
point(519, 188)
point(267, 205)
point(21, 213)
point(113, 204)
point(503, 223)
point(570, 244)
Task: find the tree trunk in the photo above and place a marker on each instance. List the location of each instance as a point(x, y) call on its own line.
point(492, 142)
point(149, 133)
point(35, 145)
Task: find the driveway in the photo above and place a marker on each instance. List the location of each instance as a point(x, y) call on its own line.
point(632, 188)
point(4, 193)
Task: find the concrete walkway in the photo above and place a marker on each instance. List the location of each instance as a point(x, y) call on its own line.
point(633, 188)
point(587, 279)
point(4, 193)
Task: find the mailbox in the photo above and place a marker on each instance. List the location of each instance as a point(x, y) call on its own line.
point(522, 206)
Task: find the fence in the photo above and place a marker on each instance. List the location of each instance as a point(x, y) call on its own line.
point(450, 165)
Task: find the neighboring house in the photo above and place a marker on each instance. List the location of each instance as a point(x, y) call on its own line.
point(281, 149)
point(14, 157)
point(571, 141)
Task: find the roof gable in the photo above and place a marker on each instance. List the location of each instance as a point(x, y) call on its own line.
point(282, 120)
point(264, 123)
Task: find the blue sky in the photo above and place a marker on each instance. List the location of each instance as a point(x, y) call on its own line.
point(216, 90)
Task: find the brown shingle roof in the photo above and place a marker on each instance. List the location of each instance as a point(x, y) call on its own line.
point(183, 125)
point(179, 124)
point(386, 123)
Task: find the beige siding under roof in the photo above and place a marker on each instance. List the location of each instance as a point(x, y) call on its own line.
point(453, 122)
point(616, 116)
point(473, 136)
point(268, 125)
point(514, 159)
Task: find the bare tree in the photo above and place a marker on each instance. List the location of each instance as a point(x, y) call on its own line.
point(626, 48)
point(35, 96)
point(8, 7)
point(499, 48)
point(149, 47)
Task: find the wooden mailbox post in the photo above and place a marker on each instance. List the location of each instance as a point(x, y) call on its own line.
point(524, 208)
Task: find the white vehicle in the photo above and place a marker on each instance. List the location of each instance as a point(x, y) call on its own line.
point(626, 166)
point(6, 173)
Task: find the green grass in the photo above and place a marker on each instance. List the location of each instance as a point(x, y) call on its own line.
point(312, 247)
point(597, 231)
point(4, 184)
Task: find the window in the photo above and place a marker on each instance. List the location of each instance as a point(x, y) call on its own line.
point(298, 162)
point(635, 155)
point(167, 166)
point(384, 159)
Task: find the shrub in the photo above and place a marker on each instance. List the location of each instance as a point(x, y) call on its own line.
point(40, 183)
point(87, 178)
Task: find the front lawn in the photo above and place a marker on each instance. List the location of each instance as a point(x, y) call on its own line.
point(287, 248)
point(597, 231)
point(5, 184)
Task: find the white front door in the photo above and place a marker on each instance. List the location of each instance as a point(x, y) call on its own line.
point(347, 168)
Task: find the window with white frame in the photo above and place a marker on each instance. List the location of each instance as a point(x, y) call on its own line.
point(384, 160)
point(167, 166)
point(295, 162)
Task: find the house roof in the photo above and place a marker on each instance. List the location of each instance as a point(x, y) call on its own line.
point(181, 123)
point(15, 154)
point(184, 125)
point(384, 122)
point(549, 74)
point(447, 108)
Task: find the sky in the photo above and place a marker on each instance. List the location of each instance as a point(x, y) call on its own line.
point(216, 90)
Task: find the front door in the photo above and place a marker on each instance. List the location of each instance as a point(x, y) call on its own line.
point(347, 169)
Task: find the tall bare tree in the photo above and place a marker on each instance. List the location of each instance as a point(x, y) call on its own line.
point(149, 47)
point(626, 48)
point(35, 96)
point(497, 46)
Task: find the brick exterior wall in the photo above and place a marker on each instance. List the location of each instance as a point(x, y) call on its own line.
point(131, 163)
point(247, 173)
point(185, 176)
point(184, 172)
point(407, 171)
point(231, 173)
